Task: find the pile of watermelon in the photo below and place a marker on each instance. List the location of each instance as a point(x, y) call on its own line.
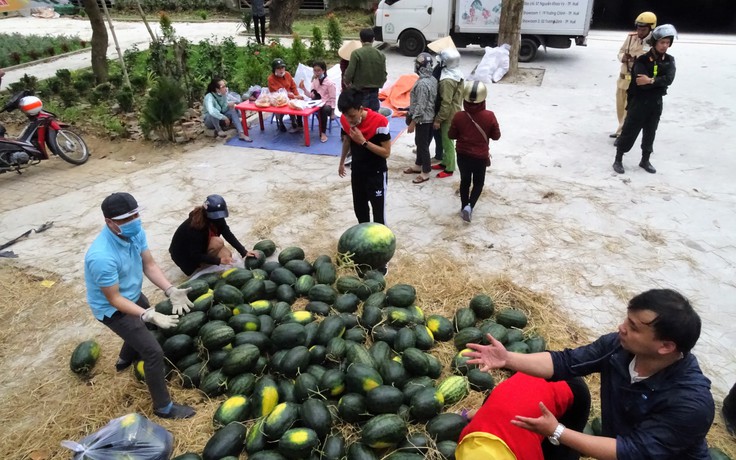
point(287, 342)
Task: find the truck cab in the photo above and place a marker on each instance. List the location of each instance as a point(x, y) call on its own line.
point(412, 23)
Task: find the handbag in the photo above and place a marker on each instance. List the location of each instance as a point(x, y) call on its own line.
point(485, 136)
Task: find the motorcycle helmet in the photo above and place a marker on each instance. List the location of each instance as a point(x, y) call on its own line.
point(216, 207)
point(30, 105)
point(663, 31)
point(277, 64)
point(474, 91)
point(423, 61)
point(646, 18)
point(450, 58)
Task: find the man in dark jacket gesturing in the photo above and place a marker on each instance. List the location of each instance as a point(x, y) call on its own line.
point(655, 401)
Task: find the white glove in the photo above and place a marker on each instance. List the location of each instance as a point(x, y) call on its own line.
point(159, 319)
point(180, 303)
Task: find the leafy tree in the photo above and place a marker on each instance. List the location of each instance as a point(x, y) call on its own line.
point(283, 13)
point(99, 40)
point(164, 106)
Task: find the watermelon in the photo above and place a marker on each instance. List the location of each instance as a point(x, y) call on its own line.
point(512, 317)
point(233, 409)
point(226, 441)
point(482, 306)
point(298, 443)
point(368, 244)
point(401, 295)
point(267, 246)
point(315, 415)
point(84, 357)
point(454, 389)
point(229, 295)
point(255, 261)
point(282, 417)
point(352, 408)
point(384, 399)
point(265, 397)
point(446, 427)
point(290, 253)
point(384, 430)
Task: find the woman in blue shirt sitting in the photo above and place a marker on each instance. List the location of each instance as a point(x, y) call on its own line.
point(218, 113)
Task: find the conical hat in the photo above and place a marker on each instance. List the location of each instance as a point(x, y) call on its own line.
point(347, 49)
point(441, 44)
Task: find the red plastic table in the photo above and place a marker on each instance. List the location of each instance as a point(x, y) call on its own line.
point(286, 110)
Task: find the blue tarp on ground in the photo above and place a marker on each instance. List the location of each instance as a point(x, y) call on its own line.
point(272, 139)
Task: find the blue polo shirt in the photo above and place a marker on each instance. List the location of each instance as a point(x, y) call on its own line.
point(112, 260)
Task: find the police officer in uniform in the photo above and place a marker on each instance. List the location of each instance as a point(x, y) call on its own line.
point(651, 75)
point(634, 46)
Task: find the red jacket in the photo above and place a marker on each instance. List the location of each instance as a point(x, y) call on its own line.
point(287, 82)
point(470, 142)
point(520, 394)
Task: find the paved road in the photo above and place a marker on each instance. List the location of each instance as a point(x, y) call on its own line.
point(554, 217)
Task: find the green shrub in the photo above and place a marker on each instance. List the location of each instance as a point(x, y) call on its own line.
point(202, 14)
point(125, 100)
point(334, 33)
point(298, 51)
point(68, 97)
point(64, 76)
point(164, 106)
point(139, 82)
point(81, 86)
point(115, 79)
point(317, 48)
point(53, 85)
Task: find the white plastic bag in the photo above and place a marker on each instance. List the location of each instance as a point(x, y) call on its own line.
point(279, 98)
point(238, 262)
point(232, 96)
point(130, 436)
point(493, 66)
point(303, 78)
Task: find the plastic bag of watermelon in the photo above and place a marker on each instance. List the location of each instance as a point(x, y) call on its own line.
point(133, 435)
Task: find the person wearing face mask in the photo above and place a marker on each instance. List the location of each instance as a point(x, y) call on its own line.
point(278, 79)
point(325, 89)
point(198, 242)
point(368, 140)
point(114, 266)
point(219, 113)
point(450, 97)
point(651, 75)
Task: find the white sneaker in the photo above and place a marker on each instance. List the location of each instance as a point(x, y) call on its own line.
point(467, 213)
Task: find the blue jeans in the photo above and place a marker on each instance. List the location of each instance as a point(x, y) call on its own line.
point(216, 124)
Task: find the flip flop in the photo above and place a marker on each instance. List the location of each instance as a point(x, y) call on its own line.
point(324, 140)
point(419, 180)
point(410, 171)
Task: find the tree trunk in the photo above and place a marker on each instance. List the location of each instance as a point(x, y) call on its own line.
point(99, 40)
point(509, 30)
point(283, 13)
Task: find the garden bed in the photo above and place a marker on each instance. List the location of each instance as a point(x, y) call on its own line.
point(16, 49)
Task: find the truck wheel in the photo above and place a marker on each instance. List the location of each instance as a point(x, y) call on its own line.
point(528, 49)
point(411, 43)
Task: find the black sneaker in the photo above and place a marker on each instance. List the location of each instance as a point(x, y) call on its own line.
point(121, 365)
point(177, 411)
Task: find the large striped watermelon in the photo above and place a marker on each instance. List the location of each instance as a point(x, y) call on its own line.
point(368, 244)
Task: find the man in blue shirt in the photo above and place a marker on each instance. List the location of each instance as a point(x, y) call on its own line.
point(113, 273)
point(655, 401)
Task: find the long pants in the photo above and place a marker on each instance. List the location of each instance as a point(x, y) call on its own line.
point(259, 26)
point(324, 113)
point(642, 115)
point(620, 108)
point(472, 170)
point(213, 123)
point(139, 343)
point(370, 99)
point(437, 137)
point(369, 191)
point(422, 138)
point(295, 121)
point(574, 418)
point(729, 406)
point(448, 147)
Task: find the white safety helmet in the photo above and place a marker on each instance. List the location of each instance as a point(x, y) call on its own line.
point(30, 105)
point(450, 58)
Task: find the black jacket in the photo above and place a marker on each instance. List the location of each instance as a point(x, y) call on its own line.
point(661, 68)
point(188, 247)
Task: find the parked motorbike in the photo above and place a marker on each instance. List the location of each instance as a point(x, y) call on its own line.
point(43, 134)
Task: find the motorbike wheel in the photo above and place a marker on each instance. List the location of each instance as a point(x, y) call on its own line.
point(70, 146)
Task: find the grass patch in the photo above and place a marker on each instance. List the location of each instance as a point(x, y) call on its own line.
point(18, 49)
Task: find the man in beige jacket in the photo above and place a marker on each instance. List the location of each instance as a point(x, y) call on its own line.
point(633, 47)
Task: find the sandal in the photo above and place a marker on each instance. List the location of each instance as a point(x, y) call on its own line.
point(411, 171)
point(419, 180)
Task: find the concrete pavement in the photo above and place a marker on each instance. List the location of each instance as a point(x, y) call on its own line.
point(553, 217)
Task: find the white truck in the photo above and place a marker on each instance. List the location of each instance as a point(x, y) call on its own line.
point(414, 23)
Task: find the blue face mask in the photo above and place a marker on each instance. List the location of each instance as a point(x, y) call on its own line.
point(131, 229)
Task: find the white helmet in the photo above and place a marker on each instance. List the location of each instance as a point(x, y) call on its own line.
point(450, 58)
point(663, 31)
point(30, 105)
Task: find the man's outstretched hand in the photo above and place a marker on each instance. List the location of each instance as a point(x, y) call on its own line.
point(488, 357)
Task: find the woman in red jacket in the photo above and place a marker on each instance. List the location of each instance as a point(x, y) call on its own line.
point(472, 128)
